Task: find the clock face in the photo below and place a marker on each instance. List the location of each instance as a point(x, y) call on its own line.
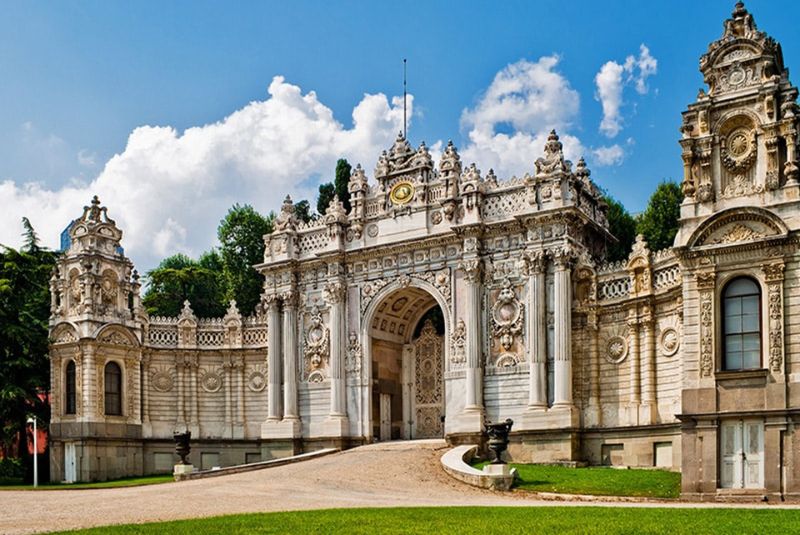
point(402, 193)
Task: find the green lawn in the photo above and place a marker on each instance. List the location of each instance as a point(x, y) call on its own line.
point(114, 483)
point(486, 520)
point(597, 480)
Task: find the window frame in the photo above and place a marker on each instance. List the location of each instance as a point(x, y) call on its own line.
point(107, 394)
point(70, 388)
point(723, 326)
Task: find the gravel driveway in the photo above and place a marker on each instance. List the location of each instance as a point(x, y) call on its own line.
point(394, 474)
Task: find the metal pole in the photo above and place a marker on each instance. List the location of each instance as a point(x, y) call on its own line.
point(35, 456)
point(405, 122)
point(35, 453)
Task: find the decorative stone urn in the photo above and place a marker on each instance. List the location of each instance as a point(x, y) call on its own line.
point(182, 447)
point(498, 438)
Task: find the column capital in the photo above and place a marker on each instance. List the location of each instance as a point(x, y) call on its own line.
point(473, 269)
point(563, 257)
point(773, 272)
point(335, 291)
point(289, 298)
point(534, 262)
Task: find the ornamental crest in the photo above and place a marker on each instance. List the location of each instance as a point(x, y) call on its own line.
point(317, 342)
point(507, 316)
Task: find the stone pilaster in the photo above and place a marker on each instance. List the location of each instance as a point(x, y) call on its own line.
point(145, 387)
point(474, 395)
point(706, 282)
point(90, 382)
point(773, 275)
point(648, 412)
point(594, 413)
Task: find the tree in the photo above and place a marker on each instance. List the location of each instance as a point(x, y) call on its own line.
point(24, 312)
point(241, 237)
point(623, 227)
point(302, 211)
point(341, 182)
point(338, 187)
point(326, 193)
point(659, 221)
point(179, 278)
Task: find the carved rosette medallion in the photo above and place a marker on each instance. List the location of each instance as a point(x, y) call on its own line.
point(257, 378)
point(670, 341)
point(616, 349)
point(162, 379)
point(211, 380)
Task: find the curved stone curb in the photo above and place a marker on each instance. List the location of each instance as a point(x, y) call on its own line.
point(455, 462)
point(200, 474)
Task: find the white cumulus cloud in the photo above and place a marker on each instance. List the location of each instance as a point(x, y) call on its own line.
point(611, 80)
point(508, 126)
point(168, 190)
point(611, 155)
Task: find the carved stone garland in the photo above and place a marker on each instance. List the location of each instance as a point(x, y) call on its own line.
point(705, 285)
point(458, 341)
point(774, 277)
point(354, 355)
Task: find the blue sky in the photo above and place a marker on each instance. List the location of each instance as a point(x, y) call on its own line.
point(79, 79)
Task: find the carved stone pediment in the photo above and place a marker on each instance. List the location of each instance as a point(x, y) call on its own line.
point(738, 226)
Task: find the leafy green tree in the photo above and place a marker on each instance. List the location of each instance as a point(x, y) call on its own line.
point(241, 237)
point(24, 312)
point(338, 187)
point(341, 181)
point(326, 193)
point(659, 222)
point(302, 211)
point(179, 278)
point(623, 227)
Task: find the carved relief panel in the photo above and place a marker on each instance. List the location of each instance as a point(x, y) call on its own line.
point(428, 383)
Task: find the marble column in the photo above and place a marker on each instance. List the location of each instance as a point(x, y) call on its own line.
point(290, 357)
point(563, 331)
point(274, 361)
point(336, 295)
point(474, 373)
point(537, 329)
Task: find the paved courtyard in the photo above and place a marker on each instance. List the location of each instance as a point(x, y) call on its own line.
point(398, 474)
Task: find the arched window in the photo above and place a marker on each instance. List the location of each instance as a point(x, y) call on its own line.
point(113, 387)
point(741, 324)
point(69, 388)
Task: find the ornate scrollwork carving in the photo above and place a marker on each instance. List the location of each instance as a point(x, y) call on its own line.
point(354, 355)
point(507, 314)
point(317, 341)
point(458, 341)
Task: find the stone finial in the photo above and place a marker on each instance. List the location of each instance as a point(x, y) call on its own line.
point(382, 168)
point(582, 172)
point(233, 311)
point(286, 219)
point(186, 311)
point(335, 212)
point(471, 179)
point(422, 158)
point(553, 159)
point(358, 180)
point(401, 153)
point(491, 178)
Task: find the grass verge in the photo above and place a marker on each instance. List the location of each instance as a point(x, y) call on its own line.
point(114, 483)
point(482, 520)
point(597, 481)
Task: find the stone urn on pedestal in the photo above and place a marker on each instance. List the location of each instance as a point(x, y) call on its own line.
point(497, 434)
point(182, 448)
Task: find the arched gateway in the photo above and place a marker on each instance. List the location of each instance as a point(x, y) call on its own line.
point(405, 359)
